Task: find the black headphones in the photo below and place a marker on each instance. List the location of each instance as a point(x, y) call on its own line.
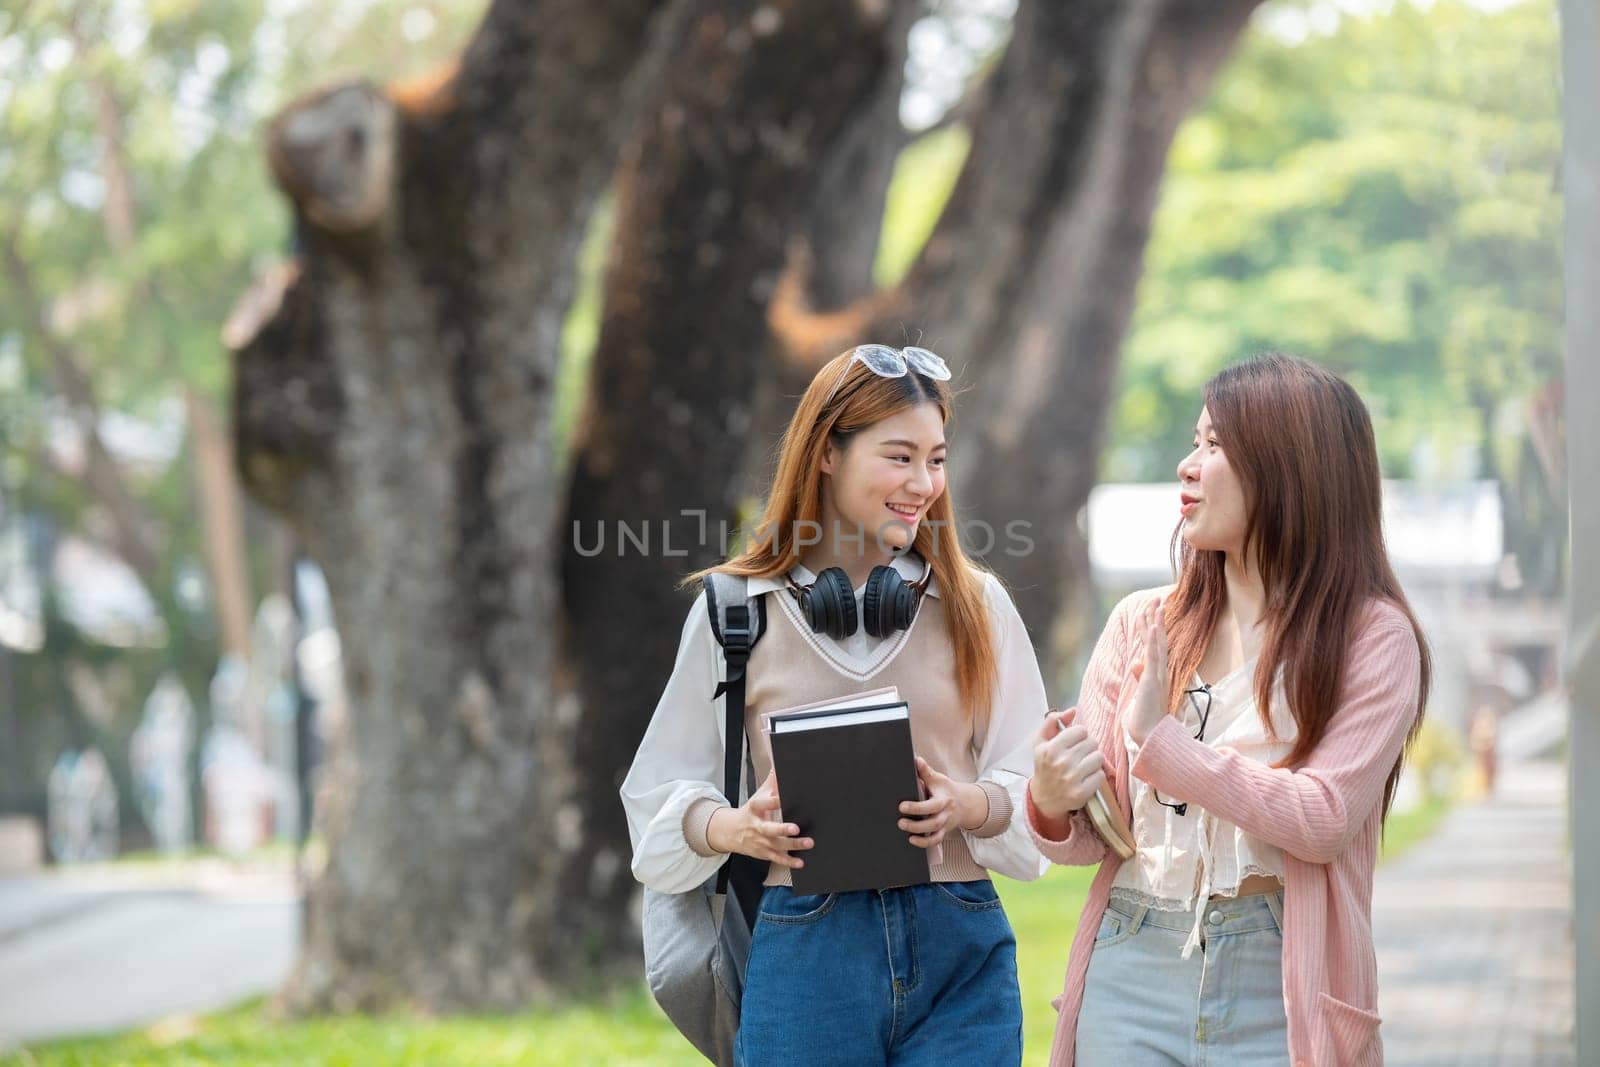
point(890, 602)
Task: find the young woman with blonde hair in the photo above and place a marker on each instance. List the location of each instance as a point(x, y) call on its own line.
point(859, 518)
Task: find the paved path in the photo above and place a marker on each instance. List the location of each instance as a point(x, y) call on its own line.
point(107, 949)
point(1474, 933)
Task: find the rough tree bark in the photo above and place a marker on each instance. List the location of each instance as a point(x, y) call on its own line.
point(834, 245)
point(1039, 315)
point(394, 403)
point(1027, 282)
point(1111, 80)
point(720, 176)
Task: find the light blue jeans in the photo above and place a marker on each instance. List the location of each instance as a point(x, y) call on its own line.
point(921, 976)
point(1143, 1003)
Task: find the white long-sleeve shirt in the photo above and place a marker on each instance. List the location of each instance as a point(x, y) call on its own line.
point(673, 786)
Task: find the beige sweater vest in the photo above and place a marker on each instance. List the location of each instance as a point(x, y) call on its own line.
point(792, 666)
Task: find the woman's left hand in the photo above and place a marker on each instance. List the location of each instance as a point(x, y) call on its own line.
point(1150, 700)
point(949, 804)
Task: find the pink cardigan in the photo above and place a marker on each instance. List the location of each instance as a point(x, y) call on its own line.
point(1324, 815)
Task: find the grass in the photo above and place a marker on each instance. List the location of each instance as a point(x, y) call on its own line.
point(623, 1030)
point(1045, 916)
point(626, 1029)
point(1404, 830)
point(280, 852)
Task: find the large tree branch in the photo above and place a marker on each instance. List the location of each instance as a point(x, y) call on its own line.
point(485, 169)
point(554, 83)
point(394, 398)
point(1027, 281)
point(221, 524)
point(845, 218)
point(119, 211)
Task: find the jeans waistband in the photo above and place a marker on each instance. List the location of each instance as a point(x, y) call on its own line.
point(1241, 915)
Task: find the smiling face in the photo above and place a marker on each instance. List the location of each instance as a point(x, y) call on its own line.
point(1213, 501)
point(884, 480)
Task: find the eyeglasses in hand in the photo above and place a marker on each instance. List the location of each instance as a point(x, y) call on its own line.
point(1200, 735)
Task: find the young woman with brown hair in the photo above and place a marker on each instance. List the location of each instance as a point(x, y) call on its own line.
point(1252, 720)
point(916, 974)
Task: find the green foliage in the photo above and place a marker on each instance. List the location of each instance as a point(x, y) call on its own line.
point(1044, 915)
point(1403, 831)
point(627, 1030)
point(580, 332)
point(1383, 199)
point(173, 93)
point(924, 176)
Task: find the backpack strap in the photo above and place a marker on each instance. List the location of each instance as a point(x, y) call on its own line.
point(737, 621)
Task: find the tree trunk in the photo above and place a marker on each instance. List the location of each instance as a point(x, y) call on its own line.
point(719, 177)
point(831, 255)
point(217, 493)
point(1028, 281)
point(844, 220)
point(395, 404)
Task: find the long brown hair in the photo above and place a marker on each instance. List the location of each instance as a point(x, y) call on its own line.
point(1301, 442)
point(862, 399)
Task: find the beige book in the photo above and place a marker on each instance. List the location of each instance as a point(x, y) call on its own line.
point(887, 695)
point(1108, 821)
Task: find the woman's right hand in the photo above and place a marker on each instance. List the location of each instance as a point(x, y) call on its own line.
point(1067, 766)
point(747, 830)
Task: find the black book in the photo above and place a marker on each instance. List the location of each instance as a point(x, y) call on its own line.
point(843, 772)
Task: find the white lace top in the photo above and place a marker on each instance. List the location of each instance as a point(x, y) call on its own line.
point(1184, 860)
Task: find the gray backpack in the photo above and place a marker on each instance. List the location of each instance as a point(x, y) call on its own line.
point(695, 944)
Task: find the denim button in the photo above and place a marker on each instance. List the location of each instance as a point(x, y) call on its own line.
point(1215, 918)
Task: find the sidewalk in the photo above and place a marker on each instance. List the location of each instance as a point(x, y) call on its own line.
point(1474, 933)
point(113, 946)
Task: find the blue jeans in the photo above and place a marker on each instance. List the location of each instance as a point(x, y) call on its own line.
point(1143, 1003)
point(924, 974)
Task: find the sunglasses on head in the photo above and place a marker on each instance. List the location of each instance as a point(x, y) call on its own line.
point(888, 362)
